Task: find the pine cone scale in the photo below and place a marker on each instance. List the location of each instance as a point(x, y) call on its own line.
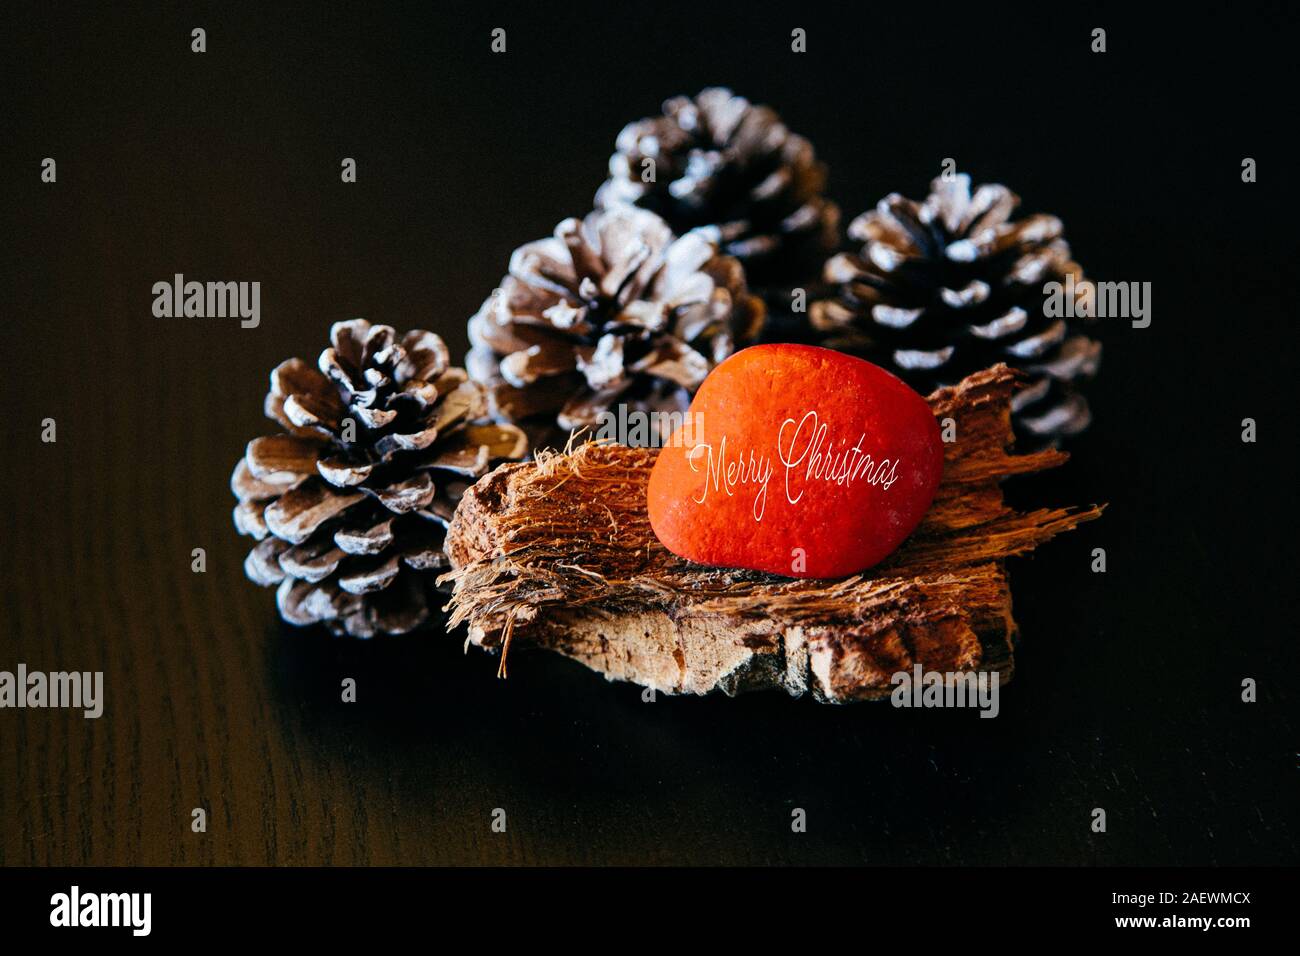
point(297, 513)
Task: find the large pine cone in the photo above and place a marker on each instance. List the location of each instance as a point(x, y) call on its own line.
point(610, 309)
point(952, 285)
point(733, 169)
point(351, 504)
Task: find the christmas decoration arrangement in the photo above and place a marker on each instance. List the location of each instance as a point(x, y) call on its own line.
point(821, 517)
point(350, 503)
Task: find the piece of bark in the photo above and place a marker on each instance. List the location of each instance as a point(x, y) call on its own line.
point(558, 553)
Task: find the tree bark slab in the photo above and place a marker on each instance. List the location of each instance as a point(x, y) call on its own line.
point(558, 553)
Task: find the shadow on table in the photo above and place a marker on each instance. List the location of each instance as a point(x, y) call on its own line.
point(879, 783)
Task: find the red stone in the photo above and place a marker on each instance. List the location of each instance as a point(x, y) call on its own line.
point(796, 460)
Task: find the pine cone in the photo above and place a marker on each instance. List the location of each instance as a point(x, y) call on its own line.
point(733, 169)
point(611, 309)
point(951, 285)
point(350, 505)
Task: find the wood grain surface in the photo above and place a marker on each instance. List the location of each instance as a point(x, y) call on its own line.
point(226, 166)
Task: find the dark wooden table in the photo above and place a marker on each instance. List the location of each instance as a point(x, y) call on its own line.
point(225, 165)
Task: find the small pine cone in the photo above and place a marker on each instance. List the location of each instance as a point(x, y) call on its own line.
point(612, 309)
point(734, 170)
point(952, 285)
point(350, 504)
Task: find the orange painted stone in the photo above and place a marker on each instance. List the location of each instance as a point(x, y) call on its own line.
point(796, 460)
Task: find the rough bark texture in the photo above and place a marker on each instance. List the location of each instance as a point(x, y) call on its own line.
point(558, 553)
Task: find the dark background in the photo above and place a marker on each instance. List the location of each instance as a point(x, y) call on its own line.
point(226, 166)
